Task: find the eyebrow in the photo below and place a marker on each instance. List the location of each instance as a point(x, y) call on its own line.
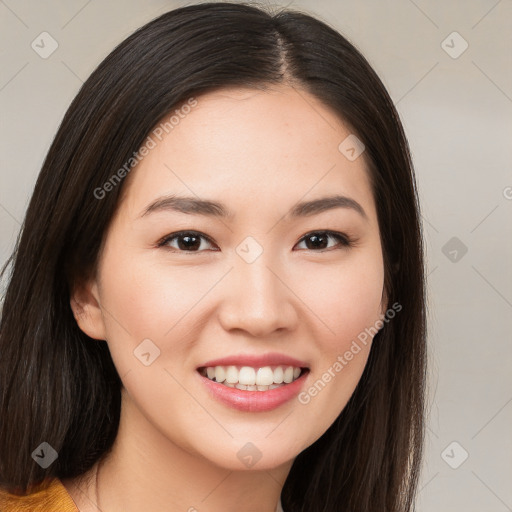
point(196, 206)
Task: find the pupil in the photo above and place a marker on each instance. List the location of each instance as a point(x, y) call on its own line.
point(322, 238)
point(188, 244)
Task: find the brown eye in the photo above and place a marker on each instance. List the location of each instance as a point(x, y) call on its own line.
point(319, 240)
point(187, 241)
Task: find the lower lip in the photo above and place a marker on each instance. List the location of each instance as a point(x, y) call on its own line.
point(254, 401)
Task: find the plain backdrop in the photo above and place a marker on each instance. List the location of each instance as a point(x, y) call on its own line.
point(448, 68)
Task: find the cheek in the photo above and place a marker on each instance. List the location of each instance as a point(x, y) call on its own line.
point(348, 307)
point(145, 298)
point(150, 299)
point(345, 300)
point(359, 303)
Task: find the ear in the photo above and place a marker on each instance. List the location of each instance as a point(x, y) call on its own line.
point(86, 307)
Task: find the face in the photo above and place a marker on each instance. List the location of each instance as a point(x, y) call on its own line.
point(267, 287)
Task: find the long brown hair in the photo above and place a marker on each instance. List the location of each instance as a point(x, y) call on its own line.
point(60, 386)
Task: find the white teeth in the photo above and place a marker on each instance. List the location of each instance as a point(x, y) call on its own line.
point(231, 375)
point(265, 376)
point(220, 374)
point(279, 375)
point(247, 376)
point(288, 375)
point(252, 379)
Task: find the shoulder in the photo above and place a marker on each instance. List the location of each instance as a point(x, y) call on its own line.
point(51, 496)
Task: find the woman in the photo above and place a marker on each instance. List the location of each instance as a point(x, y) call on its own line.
point(217, 299)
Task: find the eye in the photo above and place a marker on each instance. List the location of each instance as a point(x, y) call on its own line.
point(187, 241)
point(319, 239)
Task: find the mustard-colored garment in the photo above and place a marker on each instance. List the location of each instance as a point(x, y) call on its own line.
point(55, 498)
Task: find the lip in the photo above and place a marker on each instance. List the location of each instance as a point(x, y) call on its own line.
point(253, 401)
point(256, 361)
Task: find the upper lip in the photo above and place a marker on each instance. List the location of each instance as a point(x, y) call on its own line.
point(256, 361)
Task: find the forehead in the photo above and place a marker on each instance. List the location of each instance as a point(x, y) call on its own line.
point(252, 148)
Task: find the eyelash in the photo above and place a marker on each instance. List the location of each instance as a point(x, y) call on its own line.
point(345, 242)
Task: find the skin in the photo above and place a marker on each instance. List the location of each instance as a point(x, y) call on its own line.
point(259, 152)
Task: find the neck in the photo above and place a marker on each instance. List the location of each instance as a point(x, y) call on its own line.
point(146, 471)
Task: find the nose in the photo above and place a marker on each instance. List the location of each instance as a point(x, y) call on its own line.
point(257, 299)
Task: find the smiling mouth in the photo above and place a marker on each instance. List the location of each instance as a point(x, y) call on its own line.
point(250, 378)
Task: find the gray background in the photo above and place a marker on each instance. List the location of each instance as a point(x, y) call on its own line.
point(456, 109)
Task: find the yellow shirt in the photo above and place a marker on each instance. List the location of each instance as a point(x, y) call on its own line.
point(55, 498)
